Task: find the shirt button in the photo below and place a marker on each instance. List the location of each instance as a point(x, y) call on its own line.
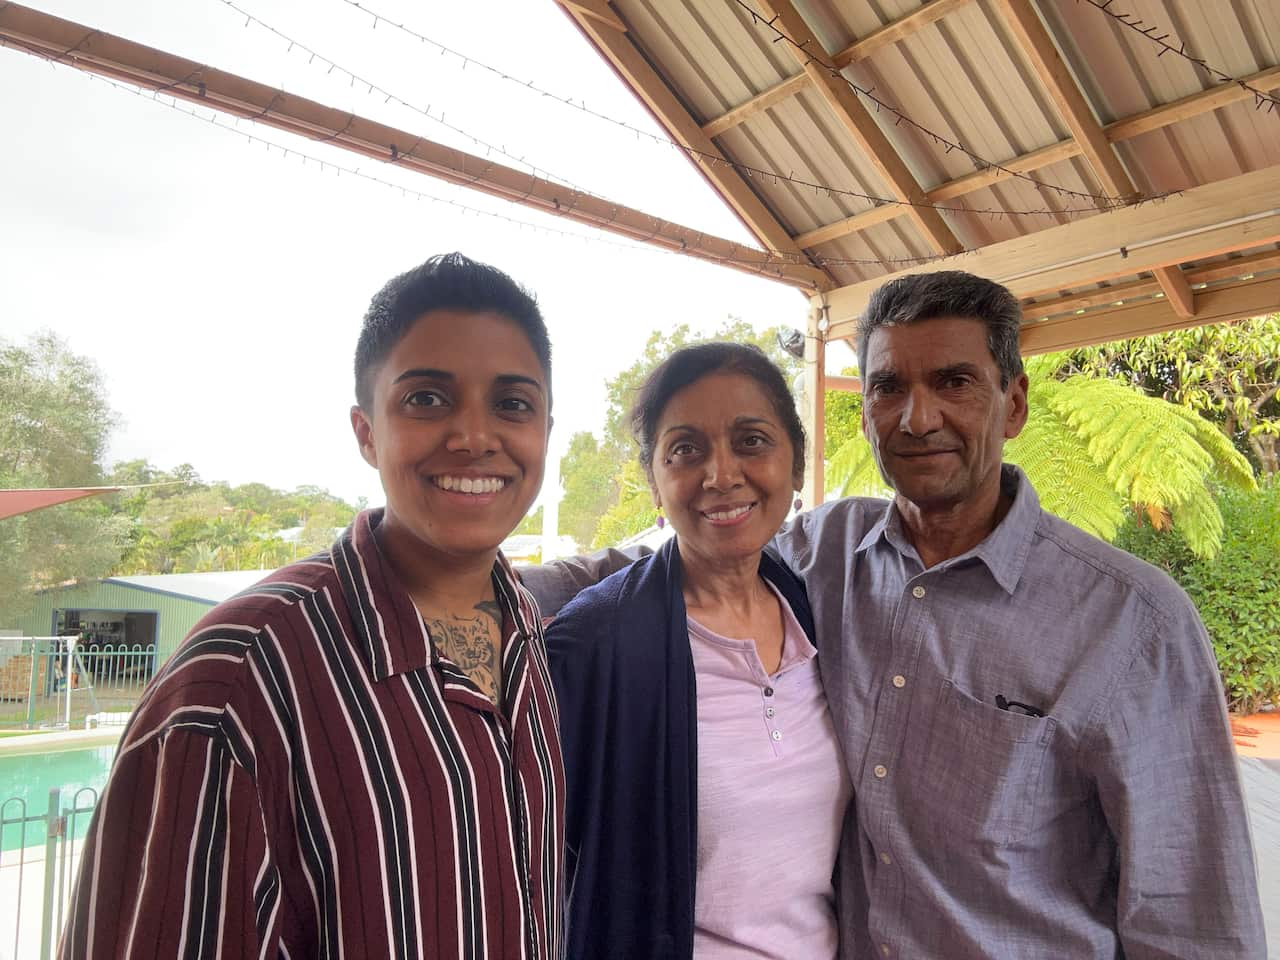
point(886, 859)
point(881, 771)
point(899, 681)
point(777, 735)
point(917, 592)
point(769, 711)
point(768, 691)
point(884, 948)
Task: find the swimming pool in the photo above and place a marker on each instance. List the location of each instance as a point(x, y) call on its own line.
point(30, 776)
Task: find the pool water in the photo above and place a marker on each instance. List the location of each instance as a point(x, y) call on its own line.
point(31, 776)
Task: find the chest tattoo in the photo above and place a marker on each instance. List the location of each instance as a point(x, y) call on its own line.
point(475, 645)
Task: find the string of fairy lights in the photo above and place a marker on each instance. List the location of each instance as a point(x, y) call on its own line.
point(804, 47)
point(764, 262)
point(1262, 100)
point(754, 258)
point(749, 171)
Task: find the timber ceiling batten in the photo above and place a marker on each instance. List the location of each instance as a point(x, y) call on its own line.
point(1240, 213)
point(890, 33)
point(1156, 118)
point(860, 125)
point(636, 71)
point(1034, 40)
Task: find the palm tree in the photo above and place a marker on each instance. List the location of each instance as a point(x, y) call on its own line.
point(1094, 447)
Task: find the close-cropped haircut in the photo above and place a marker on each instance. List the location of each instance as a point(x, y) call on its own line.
point(950, 293)
point(687, 366)
point(448, 281)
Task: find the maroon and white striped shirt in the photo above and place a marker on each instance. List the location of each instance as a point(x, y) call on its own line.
point(309, 777)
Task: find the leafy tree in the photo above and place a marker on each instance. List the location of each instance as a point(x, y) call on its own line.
point(1092, 447)
point(633, 513)
point(621, 388)
point(589, 473)
point(54, 425)
point(237, 524)
point(1229, 373)
point(530, 525)
point(842, 418)
point(1237, 592)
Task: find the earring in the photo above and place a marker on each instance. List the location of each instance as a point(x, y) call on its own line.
point(661, 521)
point(798, 504)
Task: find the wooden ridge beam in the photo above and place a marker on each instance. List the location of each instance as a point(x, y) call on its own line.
point(860, 125)
point(919, 18)
point(94, 51)
point(1235, 214)
point(1155, 118)
point(637, 73)
point(1245, 298)
point(1032, 37)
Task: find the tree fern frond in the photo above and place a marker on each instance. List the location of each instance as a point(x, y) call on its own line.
point(852, 470)
point(1069, 483)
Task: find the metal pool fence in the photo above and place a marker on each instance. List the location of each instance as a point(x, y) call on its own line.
point(36, 876)
point(61, 681)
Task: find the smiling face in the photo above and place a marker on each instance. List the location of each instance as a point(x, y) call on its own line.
point(935, 413)
point(457, 429)
point(724, 468)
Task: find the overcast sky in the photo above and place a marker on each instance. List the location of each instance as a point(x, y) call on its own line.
point(220, 284)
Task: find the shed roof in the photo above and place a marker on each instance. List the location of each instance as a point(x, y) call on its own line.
point(210, 588)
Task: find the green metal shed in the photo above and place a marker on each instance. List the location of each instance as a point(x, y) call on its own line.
point(159, 609)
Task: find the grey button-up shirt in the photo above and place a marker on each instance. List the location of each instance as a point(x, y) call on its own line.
point(1111, 826)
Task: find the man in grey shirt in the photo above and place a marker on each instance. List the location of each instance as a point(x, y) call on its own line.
point(1032, 719)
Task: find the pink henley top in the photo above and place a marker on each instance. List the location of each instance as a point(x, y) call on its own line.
point(772, 792)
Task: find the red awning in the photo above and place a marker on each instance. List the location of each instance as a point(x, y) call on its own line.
point(14, 502)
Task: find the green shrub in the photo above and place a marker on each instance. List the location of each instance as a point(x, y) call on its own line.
point(1237, 593)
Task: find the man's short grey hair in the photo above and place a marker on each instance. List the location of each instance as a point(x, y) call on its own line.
point(951, 293)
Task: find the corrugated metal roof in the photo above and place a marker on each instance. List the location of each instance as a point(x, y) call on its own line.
point(965, 76)
point(210, 588)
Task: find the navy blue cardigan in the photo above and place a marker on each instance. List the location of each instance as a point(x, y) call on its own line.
point(623, 674)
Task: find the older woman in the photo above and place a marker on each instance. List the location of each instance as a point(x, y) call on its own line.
point(706, 788)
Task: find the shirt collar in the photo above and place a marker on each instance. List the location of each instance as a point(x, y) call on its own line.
point(1003, 552)
point(389, 631)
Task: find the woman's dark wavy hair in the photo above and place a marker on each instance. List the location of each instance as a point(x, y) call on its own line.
point(687, 366)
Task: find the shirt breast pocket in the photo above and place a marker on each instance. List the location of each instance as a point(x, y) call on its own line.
point(982, 766)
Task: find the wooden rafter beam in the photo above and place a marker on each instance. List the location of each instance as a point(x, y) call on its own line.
point(860, 125)
point(599, 10)
point(890, 33)
point(1236, 214)
point(93, 51)
point(1245, 298)
point(1031, 35)
point(638, 74)
point(1033, 40)
point(1156, 118)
